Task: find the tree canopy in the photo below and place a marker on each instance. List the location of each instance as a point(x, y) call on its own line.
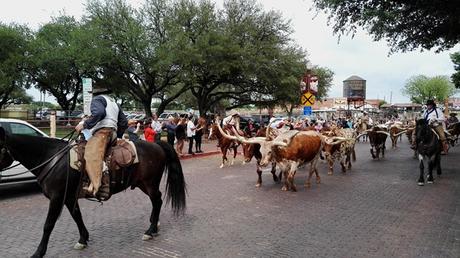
point(13, 48)
point(170, 50)
point(406, 25)
point(422, 88)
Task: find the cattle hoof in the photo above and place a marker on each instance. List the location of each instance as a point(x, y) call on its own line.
point(146, 237)
point(244, 163)
point(284, 188)
point(79, 246)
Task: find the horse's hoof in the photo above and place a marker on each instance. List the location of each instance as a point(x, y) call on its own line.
point(79, 246)
point(221, 166)
point(429, 181)
point(421, 183)
point(329, 173)
point(284, 188)
point(146, 237)
point(244, 163)
point(258, 185)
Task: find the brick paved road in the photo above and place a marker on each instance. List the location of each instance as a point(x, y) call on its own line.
point(376, 210)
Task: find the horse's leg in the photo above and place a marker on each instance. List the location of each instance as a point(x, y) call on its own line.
point(421, 180)
point(438, 164)
point(235, 151)
point(155, 198)
point(224, 156)
point(54, 210)
point(431, 164)
point(74, 209)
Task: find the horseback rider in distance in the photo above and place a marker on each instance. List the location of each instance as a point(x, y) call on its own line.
point(435, 118)
point(106, 119)
point(231, 124)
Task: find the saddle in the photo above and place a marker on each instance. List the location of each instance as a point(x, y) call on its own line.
point(120, 155)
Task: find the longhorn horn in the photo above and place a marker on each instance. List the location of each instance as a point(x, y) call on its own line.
point(256, 140)
point(383, 132)
point(278, 143)
point(361, 135)
point(398, 134)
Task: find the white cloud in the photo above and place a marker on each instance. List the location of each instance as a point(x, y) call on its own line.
point(360, 55)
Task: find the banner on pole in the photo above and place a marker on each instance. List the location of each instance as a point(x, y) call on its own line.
point(87, 95)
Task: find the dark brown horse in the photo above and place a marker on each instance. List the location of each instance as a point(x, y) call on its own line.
point(60, 183)
point(224, 143)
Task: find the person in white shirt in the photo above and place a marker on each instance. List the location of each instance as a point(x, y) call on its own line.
point(157, 127)
point(190, 133)
point(435, 117)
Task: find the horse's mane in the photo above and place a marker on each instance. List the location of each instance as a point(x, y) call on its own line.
point(45, 142)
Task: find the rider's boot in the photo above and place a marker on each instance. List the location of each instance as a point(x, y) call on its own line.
point(104, 190)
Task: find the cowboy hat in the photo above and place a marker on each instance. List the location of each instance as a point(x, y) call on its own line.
point(430, 102)
point(99, 89)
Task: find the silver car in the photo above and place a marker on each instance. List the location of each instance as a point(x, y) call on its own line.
point(16, 126)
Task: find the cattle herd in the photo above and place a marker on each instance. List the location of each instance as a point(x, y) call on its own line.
point(287, 149)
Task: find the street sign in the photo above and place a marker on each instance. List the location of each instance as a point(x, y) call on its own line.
point(87, 87)
point(307, 110)
point(307, 99)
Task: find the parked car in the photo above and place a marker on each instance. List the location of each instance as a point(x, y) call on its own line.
point(15, 126)
point(163, 117)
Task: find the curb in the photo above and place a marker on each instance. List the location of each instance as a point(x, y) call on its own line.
point(199, 155)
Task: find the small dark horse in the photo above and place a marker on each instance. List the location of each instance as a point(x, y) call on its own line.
point(61, 183)
point(224, 143)
point(429, 147)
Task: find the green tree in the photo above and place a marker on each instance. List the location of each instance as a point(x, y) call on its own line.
point(58, 60)
point(421, 88)
point(141, 52)
point(404, 24)
point(13, 48)
point(455, 57)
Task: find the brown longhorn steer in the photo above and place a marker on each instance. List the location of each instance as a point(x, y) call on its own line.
point(342, 150)
point(303, 147)
point(377, 138)
point(395, 132)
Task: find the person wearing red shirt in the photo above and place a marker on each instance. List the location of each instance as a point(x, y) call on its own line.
point(149, 133)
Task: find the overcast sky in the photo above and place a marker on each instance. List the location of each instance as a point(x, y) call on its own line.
point(385, 75)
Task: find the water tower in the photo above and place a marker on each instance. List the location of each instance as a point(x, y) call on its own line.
point(354, 89)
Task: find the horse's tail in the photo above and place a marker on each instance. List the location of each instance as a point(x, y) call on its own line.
point(175, 183)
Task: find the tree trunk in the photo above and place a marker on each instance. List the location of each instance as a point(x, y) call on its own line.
point(147, 103)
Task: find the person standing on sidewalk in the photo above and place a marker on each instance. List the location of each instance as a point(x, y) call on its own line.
point(156, 126)
point(170, 127)
point(190, 133)
point(201, 125)
point(149, 133)
point(180, 135)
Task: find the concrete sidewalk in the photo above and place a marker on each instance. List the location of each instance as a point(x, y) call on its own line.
point(209, 147)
